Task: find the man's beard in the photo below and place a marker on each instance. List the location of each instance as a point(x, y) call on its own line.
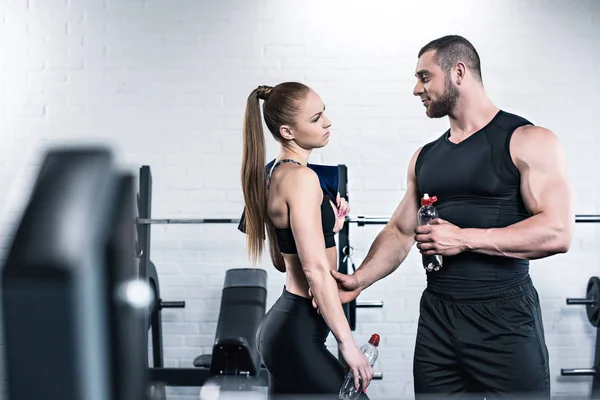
point(446, 103)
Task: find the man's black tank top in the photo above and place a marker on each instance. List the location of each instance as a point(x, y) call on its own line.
point(477, 186)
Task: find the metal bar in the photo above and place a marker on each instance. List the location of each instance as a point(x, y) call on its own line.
point(343, 244)
point(369, 304)
point(589, 371)
point(156, 332)
point(360, 220)
point(196, 377)
point(596, 380)
point(344, 239)
point(147, 270)
point(363, 220)
point(587, 218)
point(578, 372)
point(172, 304)
point(344, 247)
point(183, 221)
point(578, 302)
point(144, 211)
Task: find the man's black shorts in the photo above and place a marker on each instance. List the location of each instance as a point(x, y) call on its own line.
point(491, 344)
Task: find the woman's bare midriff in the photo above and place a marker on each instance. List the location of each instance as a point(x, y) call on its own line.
point(295, 280)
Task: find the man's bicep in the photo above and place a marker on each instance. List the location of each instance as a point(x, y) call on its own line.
point(544, 181)
point(405, 216)
point(543, 188)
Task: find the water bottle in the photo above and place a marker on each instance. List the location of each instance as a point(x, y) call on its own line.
point(426, 213)
point(348, 390)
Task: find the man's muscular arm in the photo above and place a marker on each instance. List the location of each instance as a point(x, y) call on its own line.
point(393, 243)
point(540, 158)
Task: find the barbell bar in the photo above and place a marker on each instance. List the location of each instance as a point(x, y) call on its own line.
point(360, 220)
point(591, 301)
point(578, 372)
point(181, 221)
point(581, 302)
point(369, 304)
point(172, 304)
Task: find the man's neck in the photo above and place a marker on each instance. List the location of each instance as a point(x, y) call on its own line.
point(470, 115)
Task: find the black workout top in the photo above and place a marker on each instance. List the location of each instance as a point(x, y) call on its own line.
point(477, 186)
point(285, 237)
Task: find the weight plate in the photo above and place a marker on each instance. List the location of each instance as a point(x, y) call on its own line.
point(157, 392)
point(593, 293)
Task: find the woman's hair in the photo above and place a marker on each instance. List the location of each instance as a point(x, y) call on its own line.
point(280, 107)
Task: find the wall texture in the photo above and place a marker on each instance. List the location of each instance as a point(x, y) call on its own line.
point(165, 83)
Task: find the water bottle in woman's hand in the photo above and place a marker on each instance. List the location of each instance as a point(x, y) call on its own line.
point(348, 390)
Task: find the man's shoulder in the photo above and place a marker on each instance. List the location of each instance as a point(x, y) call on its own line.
point(533, 134)
point(510, 122)
point(531, 142)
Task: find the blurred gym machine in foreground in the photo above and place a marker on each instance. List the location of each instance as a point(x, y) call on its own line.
point(78, 299)
point(73, 306)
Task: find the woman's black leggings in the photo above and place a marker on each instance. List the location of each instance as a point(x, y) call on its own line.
point(291, 342)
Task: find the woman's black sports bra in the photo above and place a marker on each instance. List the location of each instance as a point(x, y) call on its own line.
point(285, 237)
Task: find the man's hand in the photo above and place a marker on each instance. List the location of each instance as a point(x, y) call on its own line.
point(440, 237)
point(348, 288)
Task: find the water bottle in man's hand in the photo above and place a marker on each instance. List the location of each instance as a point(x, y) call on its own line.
point(426, 213)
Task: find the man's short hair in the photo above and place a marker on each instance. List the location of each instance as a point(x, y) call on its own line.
point(452, 49)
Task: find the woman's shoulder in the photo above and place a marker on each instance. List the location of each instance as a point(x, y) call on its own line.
point(302, 176)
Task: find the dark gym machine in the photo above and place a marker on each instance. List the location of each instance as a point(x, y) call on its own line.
point(80, 294)
point(592, 306)
point(234, 363)
point(73, 307)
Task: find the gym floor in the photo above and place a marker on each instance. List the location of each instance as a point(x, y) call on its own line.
point(165, 84)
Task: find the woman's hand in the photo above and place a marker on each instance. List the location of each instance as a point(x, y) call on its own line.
point(342, 209)
point(358, 363)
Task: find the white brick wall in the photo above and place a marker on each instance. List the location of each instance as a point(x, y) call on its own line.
point(165, 83)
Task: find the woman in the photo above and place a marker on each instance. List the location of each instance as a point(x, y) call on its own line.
point(300, 218)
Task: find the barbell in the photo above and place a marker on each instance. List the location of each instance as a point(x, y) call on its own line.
point(360, 220)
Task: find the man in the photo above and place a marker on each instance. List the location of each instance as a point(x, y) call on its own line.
point(503, 199)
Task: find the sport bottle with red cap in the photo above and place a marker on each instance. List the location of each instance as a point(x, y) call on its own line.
point(426, 213)
point(348, 390)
